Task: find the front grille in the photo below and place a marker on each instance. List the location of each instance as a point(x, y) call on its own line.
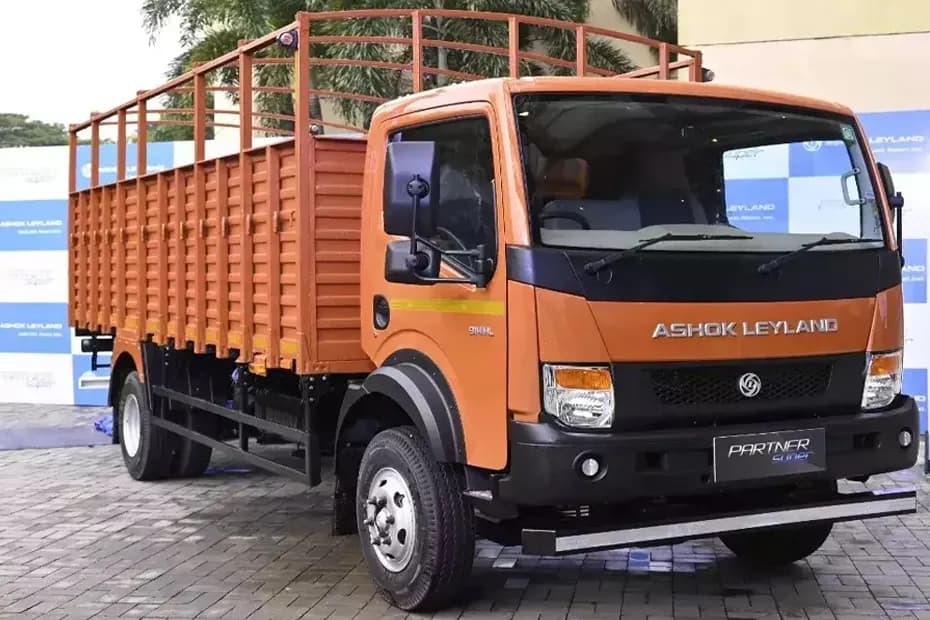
point(714, 385)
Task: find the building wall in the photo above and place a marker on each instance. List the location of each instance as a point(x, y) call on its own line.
point(867, 54)
point(718, 22)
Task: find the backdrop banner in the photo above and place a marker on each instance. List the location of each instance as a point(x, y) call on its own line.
point(781, 188)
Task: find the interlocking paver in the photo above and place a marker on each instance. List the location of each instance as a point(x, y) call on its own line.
point(80, 539)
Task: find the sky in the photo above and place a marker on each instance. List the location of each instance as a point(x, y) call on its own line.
point(62, 59)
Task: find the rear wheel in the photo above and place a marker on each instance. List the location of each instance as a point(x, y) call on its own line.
point(417, 531)
point(145, 447)
point(191, 459)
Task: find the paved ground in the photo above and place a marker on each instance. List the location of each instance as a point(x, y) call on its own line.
point(49, 426)
point(80, 539)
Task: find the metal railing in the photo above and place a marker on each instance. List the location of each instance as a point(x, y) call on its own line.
point(298, 40)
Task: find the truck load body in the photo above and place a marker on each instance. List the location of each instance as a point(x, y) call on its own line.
point(232, 260)
point(516, 309)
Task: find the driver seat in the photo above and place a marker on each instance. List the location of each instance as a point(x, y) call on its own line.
point(562, 190)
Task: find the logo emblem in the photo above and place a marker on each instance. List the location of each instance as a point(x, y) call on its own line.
point(750, 385)
point(812, 146)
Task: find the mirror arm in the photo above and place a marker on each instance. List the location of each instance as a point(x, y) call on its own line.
point(478, 279)
point(897, 203)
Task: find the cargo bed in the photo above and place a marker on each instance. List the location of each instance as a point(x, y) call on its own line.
point(236, 266)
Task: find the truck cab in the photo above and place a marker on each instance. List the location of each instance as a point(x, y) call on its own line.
point(578, 270)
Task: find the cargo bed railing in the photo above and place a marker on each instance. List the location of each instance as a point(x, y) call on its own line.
point(417, 49)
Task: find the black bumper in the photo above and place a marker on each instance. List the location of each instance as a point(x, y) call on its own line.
point(544, 458)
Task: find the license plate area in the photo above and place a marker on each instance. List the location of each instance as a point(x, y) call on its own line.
point(766, 455)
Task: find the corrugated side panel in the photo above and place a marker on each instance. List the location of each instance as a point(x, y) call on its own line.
point(338, 170)
point(209, 254)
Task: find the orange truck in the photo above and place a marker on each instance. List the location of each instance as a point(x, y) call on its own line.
point(512, 307)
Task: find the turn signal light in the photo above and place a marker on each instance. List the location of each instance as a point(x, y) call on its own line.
point(887, 364)
point(571, 378)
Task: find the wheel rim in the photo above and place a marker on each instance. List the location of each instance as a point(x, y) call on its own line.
point(391, 518)
point(131, 427)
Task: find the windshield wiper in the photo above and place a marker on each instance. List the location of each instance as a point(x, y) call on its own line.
point(596, 265)
point(775, 263)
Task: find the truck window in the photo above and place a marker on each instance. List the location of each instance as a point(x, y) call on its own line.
point(605, 171)
point(466, 216)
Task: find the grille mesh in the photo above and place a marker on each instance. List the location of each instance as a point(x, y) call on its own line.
point(719, 384)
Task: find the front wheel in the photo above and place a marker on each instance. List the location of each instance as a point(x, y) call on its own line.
point(417, 530)
point(777, 547)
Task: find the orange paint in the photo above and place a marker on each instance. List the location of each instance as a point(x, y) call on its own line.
point(568, 331)
point(887, 332)
point(572, 329)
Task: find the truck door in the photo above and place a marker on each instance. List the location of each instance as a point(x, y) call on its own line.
point(459, 328)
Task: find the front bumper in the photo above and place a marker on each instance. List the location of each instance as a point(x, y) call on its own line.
point(840, 507)
point(545, 458)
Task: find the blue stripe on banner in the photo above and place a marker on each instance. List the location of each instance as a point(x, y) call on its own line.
point(34, 328)
point(914, 272)
point(34, 225)
point(159, 156)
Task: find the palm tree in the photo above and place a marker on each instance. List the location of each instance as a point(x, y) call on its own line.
point(656, 19)
point(213, 27)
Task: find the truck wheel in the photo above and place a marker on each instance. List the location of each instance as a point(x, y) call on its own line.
point(191, 459)
point(145, 447)
point(416, 529)
point(777, 547)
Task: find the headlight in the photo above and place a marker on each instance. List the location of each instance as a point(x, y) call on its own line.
point(883, 375)
point(579, 396)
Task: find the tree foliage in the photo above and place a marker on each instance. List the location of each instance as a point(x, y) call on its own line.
point(20, 130)
point(213, 27)
point(656, 19)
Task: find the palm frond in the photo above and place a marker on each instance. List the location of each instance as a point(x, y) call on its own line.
point(657, 19)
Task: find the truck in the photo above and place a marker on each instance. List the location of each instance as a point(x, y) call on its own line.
point(536, 307)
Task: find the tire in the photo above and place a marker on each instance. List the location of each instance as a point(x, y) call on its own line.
point(777, 547)
point(145, 447)
point(430, 571)
point(190, 458)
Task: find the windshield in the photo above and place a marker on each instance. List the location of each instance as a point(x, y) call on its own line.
point(607, 171)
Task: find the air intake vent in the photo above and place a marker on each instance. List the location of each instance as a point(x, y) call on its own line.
point(720, 384)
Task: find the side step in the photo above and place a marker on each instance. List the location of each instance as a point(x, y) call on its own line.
point(843, 507)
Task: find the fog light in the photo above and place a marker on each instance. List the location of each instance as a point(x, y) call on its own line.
point(905, 438)
point(590, 467)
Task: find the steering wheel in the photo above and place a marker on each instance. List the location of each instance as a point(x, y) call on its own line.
point(566, 215)
point(451, 237)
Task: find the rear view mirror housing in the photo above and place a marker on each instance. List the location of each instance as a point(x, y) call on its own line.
point(896, 202)
point(411, 203)
point(411, 185)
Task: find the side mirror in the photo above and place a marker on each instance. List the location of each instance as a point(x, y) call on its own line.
point(896, 202)
point(411, 189)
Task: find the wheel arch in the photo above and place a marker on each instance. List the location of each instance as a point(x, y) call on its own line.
point(122, 366)
point(410, 389)
point(415, 385)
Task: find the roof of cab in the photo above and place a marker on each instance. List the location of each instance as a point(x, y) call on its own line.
point(492, 89)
